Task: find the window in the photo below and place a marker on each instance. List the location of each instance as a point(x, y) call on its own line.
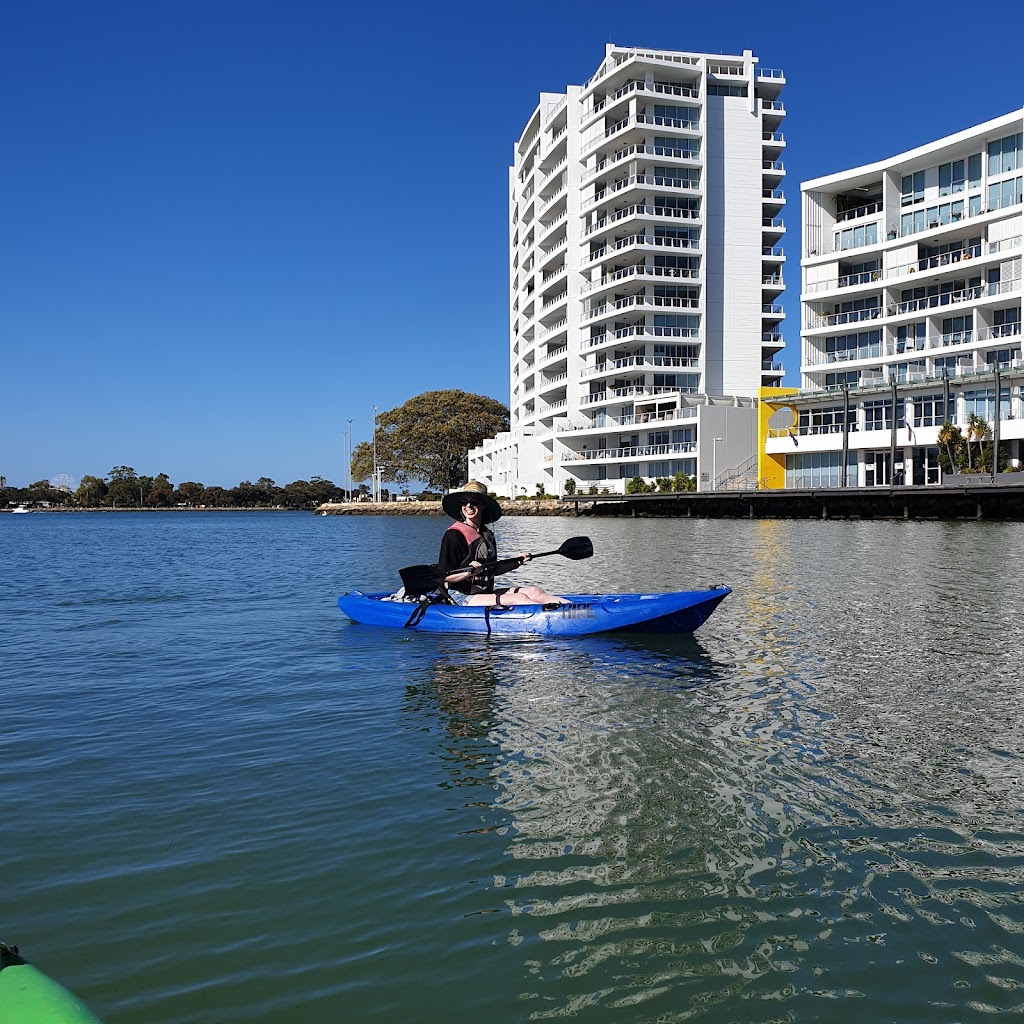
point(910, 338)
point(671, 203)
point(974, 171)
point(957, 330)
point(951, 177)
point(944, 214)
point(676, 117)
point(1006, 322)
point(682, 263)
point(912, 189)
point(929, 410)
point(675, 326)
point(878, 414)
point(838, 380)
point(826, 420)
point(687, 295)
point(947, 363)
point(853, 238)
point(865, 345)
point(691, 235)
point(676, 355)
point(718, 89)
point(1000, 359)
point(687, 435)
point(983, 403)
point(820, 469)
point(1006, 154)
point(655, 437)
point(876, 469)
point(1004, 193)
point(688, 148)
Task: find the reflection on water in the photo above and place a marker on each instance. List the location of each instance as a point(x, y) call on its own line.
point(777, 818)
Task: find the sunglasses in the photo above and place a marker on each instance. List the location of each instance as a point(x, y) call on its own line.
point(473, 503)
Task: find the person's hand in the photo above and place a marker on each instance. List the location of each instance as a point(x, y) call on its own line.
point(525, 556)
point(475, 565)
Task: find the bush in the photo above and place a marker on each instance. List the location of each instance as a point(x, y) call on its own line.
point(637, 486)
point(570, 486)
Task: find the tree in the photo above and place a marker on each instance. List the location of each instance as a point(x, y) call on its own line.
point(951, 442)
point(429, 438)
point(190, 492)
point(91, 491)
point(123, 488)
point(977, 432)
point(160, 493)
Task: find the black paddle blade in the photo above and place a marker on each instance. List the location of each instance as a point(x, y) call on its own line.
point(576, 548)
point(420, 579)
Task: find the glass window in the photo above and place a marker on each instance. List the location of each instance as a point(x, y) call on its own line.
point(1006, 154)
point(820, 469)
point(929, 410)
point(974, 171)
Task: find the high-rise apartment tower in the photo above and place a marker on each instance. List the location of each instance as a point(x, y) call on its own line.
point(645, 264)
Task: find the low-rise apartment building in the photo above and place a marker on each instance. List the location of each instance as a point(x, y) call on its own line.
point(910, 314)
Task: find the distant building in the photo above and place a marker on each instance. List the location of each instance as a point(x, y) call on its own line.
point(911, 313)
point(644, 268)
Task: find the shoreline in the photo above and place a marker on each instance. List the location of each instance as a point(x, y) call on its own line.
point(550, 507)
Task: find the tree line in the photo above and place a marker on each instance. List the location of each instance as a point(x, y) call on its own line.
point(122, 487)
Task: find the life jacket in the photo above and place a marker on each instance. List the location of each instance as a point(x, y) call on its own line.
point(482, 547)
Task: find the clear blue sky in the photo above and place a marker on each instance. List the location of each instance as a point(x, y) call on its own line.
point(228, 226)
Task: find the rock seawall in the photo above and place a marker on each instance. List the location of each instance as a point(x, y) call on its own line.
point(433, 508)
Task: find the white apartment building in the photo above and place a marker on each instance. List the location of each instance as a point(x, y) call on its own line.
point(911, 311)
point(645, 265)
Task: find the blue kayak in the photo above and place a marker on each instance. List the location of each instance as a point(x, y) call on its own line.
point(679, 612)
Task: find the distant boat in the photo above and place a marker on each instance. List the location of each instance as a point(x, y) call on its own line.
point(20, 508)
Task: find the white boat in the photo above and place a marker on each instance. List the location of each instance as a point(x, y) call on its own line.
point(20, 508)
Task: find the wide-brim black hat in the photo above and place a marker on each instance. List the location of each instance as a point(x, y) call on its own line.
point(452, 502)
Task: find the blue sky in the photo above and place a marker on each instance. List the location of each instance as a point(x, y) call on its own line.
point(229, 226)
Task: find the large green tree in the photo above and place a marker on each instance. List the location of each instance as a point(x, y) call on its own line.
point(429, 437)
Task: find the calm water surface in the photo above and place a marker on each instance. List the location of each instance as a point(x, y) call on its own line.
point(224, 802)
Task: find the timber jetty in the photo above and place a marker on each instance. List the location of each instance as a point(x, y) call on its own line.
point(984, 498)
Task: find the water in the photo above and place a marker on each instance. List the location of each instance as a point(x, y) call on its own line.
point(224, 802)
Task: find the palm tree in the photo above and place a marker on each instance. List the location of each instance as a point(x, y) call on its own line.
point(951, 439)
point(977, 430)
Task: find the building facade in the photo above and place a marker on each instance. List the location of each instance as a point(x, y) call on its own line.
point(911, 313)
point(645, 264)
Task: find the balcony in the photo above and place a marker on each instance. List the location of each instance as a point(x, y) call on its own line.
point(641, 302)
point(648, 451)
point(647, 241)
point(868, 210)
point(637, 181)
point(685, 153)
point(668, 212)
point(639, 270)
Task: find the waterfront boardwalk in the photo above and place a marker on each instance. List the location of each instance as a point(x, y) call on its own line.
point(981, 499)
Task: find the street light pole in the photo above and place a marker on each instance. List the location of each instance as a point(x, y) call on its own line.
point(376, 479)
point(714, 463)
point(348, 461)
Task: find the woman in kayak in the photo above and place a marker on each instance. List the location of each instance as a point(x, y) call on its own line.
point(469, 542)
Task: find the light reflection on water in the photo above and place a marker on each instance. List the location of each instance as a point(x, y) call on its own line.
point(810, 810)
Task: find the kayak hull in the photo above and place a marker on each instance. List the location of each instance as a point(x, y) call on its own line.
point(677, 612)
point(27, 996)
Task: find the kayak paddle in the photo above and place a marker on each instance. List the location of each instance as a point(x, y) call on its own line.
point(422, 579)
